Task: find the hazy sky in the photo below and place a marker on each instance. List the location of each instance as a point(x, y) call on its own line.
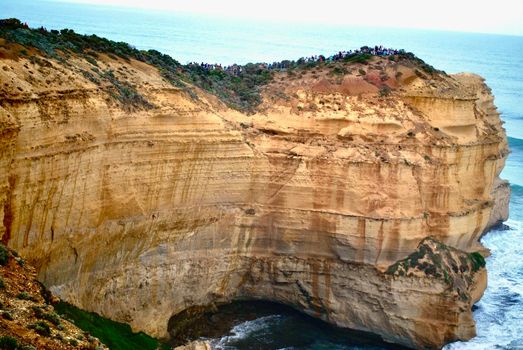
point(499, 16)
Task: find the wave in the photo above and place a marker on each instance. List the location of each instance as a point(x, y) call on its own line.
point(515, 143)
point(517, 190)
point(247, 331)
point(498, 313)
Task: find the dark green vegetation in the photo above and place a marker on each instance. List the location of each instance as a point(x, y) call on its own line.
point(435, 259)
point(241, 90)
point(478, 261)
point(41, 327)
point(49, 316)
point(116, 335)
point(126, 94)
point(4, 255)
point(358, 58)
point(8, 343)
point(24, 296)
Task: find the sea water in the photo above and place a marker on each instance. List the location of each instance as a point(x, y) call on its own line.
point(196, 38)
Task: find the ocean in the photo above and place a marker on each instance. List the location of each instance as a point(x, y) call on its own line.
point(195, 38)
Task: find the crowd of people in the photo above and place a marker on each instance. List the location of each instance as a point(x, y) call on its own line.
point(374, 51)
point(236, 69)
point(233, 69)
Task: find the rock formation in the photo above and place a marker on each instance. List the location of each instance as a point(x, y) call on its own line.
point(138, 212)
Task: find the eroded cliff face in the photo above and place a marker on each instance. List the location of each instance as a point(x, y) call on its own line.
point(139, 213)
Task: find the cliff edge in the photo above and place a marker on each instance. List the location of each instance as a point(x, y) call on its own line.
point(354, 190)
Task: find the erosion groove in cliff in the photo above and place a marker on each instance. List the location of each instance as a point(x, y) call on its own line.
point(140, 202)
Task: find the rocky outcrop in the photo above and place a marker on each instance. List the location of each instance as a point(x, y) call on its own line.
point(138, 211)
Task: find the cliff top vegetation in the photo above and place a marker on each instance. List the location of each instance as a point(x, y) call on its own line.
point(238, 86)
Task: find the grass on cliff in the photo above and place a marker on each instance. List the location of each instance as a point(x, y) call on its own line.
point(241, 91)
point(116, 335)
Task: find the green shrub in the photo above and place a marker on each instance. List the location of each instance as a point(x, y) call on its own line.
point(4, 255)
point(73, 342)
point(39, 312)
point(2, 284)
point(358, 58)
point(52, 317)
point(8, 343)
point(126, 94)
point(339, 71)
point(41, 327)
point(478, 261)
point(11, 23)
point(385, 91)
point(7, 315)
point(24, 296)
point(91, 60)
point(362, 72)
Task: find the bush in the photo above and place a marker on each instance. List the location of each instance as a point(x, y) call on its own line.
point(91, 60)
point(52, 317)
point(339, 71)
point(7, 315)
point(126, 94)
point(11, 23)
point(2, 284)
point(478, 261)
point(362, 72)
point(4, 255)
point(8, 343)
point(27, 347)
point(358, 58)
point(385, 91)
point(24, 296)
point(41, 327)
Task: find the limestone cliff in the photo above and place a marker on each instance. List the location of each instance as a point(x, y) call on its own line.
point(138, 208)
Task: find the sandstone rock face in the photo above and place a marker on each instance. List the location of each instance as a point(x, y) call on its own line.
point(138, 214)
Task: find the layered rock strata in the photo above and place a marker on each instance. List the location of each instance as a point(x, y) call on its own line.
point(139, 213)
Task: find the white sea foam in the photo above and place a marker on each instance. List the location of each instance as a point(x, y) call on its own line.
point(260, 327)
point(500, 312)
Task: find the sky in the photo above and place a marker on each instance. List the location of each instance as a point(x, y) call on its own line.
point(500, 16)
